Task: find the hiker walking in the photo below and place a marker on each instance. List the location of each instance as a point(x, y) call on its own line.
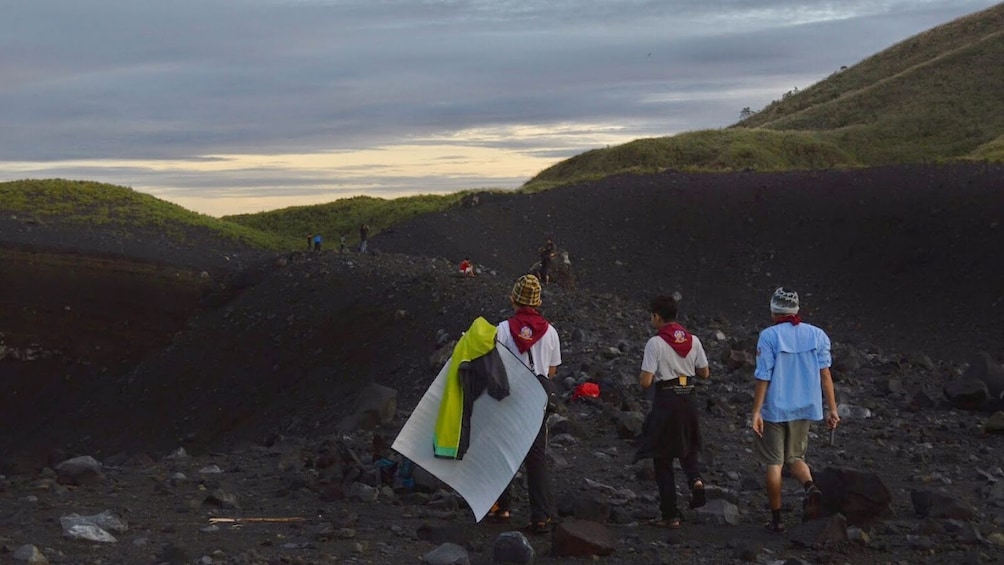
point(364, 231)
point(535, 341)
point(546, 254)
point(672, 360)
point(792, 375)
point(310, 241)
point(317, 242)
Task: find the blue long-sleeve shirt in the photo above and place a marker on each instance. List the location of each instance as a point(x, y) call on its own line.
point(790, 357)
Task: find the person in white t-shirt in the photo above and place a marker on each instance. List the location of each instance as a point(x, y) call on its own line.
point(535, 341)
point(672, 360)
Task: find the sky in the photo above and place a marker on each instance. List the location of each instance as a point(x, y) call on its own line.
point(242, 106)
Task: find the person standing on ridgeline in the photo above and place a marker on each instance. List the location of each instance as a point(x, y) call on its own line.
point(546, 254)
point(792, 375)
point(672, 359)
point(310, 241)
point(317, 242)
point(364, 231)
point(535, 341)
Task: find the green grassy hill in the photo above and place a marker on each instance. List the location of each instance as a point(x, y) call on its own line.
point(707, 150)
point(119, 209)
point(933, 97)
point(343, 217)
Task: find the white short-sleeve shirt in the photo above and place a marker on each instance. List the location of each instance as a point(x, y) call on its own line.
point(546, 352)
point(662, 360)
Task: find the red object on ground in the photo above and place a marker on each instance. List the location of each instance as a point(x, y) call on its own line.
point(591, 390)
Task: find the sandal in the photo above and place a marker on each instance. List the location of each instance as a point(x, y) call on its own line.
point(774, 527)
point(498, 514)
point(542, 526)
point(669, 523)
point(697, 497)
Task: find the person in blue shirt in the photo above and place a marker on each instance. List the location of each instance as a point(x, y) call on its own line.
point(792, 376)
point(317, 242)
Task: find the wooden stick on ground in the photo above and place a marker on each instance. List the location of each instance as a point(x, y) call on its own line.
point(258, 519)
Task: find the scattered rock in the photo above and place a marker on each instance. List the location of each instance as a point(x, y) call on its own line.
point(581, 538)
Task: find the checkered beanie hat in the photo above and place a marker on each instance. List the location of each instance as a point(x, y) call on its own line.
point(784, 301)
point(526, 291)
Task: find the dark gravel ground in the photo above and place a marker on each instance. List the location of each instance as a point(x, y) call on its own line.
point(138, 350)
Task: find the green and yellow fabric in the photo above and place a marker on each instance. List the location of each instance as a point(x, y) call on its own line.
point(478, 340)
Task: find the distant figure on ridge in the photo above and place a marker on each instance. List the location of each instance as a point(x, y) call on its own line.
point(792, 376)
point(342, 244)
point(364, 231)
point(310, 241)
point(317, 242)
point(546, 254)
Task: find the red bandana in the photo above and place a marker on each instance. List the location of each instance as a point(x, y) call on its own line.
point(527, 327)
point(678, 338)
point(793, 318)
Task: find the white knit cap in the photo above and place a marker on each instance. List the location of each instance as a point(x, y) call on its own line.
point(784, 301)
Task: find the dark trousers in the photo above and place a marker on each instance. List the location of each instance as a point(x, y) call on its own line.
point(538, 480)
point(545, 267)
point(667, 482)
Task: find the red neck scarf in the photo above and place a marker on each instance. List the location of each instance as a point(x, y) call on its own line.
point(678, 338)
point(527, 326)
point(793, 318)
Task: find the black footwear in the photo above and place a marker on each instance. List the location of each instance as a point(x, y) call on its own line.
point(813, 506)
point(774, 527)
point(697, 498)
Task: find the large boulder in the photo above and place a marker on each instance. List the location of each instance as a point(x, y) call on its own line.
point(860, 496)
point(966, 393)
point(983, 368)
point(582, 538)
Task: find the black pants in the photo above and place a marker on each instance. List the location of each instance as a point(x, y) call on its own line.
point(538, 480)
point(667, 482)
point(545, 266)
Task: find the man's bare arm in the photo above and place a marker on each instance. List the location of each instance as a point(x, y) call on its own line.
point(826, 380)
point(645, 379)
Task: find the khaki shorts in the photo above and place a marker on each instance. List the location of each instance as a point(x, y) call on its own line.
point(782, 442)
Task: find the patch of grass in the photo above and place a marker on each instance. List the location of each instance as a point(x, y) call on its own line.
point(117, 208)
point(991, 152)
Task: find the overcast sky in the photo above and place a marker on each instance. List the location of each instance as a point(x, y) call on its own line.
point(231, 106)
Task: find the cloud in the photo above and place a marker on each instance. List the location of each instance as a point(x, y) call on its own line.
point(142, 94)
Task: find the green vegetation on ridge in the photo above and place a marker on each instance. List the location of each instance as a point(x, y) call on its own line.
point(119, 209)
point(344, 216)
point(934, 97)
point(699, 151)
